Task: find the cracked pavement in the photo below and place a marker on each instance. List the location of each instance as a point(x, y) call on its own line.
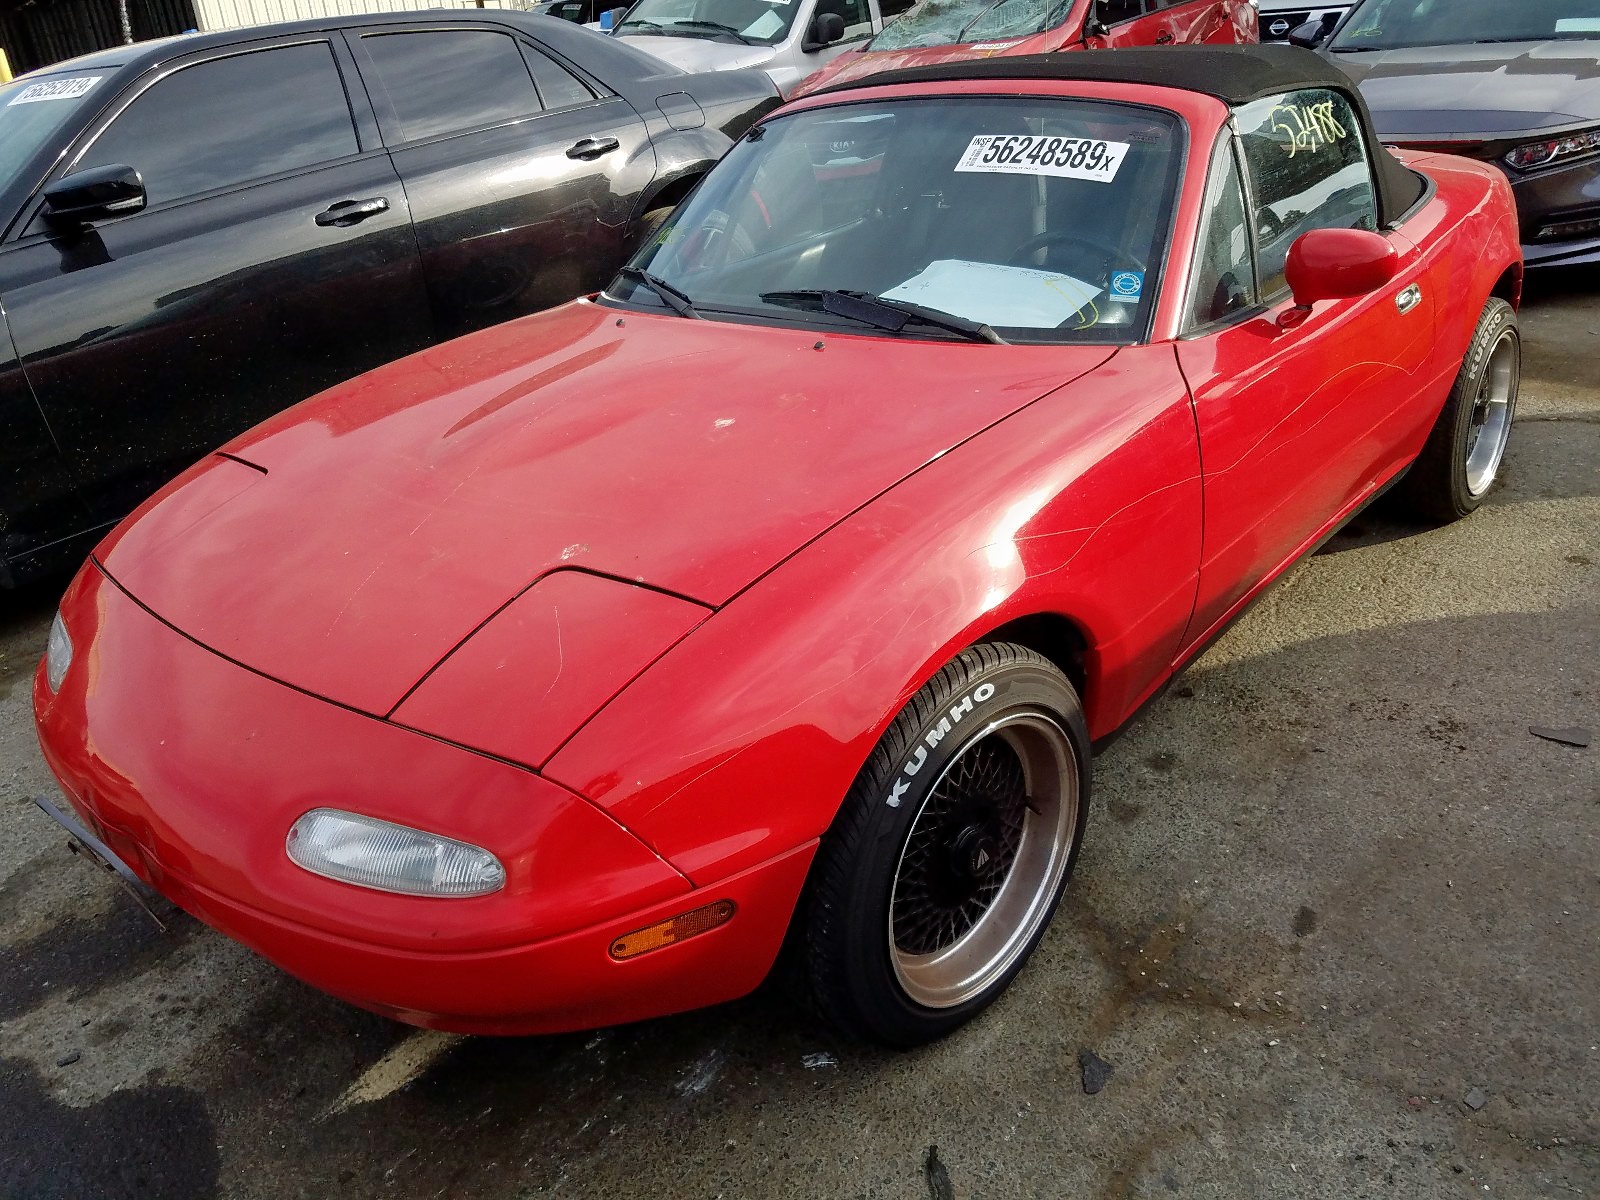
point(1332, 886)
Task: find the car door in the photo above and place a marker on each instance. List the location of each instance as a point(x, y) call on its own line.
point(1162, 22)
point(523, 173)
point(241, 288)
point(1297, 420)
point(1216, 21)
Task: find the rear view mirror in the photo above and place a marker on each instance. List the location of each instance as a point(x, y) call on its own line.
point(1308, 36)
point(113, 190)
point(1337, 264)
point(826, 29)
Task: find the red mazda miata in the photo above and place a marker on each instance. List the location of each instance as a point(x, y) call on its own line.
point(557, 676)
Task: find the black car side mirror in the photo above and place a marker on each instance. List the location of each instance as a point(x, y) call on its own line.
point(1308, 36)
point(113, 190)
point(826, 29)
point(1095, 25)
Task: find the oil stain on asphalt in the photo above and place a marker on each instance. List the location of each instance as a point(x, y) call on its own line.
point(85, 955)
point(153, 1142)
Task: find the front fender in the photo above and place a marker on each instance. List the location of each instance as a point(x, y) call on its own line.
point(742, 741)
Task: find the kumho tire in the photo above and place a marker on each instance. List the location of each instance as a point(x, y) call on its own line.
point(951, 850)
point(1462, 457)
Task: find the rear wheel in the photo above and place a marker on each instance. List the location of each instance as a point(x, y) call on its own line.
point(1463, 454)
point(951, 851)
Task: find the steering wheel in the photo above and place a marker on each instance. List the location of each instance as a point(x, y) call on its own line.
point(1110, 256)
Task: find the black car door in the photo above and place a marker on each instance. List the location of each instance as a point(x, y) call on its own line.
point(523, 174)
point(249, 282)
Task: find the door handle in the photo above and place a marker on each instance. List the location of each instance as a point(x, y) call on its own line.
point(1164, 38)
point(592, 147)
point(1408, 299)
point(352, 212)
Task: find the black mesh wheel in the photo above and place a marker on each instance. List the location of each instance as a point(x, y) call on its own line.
point(950, 854)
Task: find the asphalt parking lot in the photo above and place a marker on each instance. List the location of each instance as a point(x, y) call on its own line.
point(1334, 931)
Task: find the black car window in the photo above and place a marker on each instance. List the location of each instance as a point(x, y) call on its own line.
point(452, 80)
point(558, 87)
point(34, 110)
point(1224, 279)
point(1308, 170)
point(1115, 12)
point(227, 121)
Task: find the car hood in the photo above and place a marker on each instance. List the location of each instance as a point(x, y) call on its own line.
point(858, 64)
point(700, 54)
point(349, 544)
point(1489, 92)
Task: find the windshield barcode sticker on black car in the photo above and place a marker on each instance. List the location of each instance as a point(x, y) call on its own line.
point(1036, 154)
point(54, 89)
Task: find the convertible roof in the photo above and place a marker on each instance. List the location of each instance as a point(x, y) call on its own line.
point(1233, 74)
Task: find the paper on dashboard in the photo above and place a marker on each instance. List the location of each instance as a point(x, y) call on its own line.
point(997, 294)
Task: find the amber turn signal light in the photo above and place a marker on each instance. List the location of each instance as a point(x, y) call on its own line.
point(670, 932)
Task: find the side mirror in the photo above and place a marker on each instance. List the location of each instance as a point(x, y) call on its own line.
point(1095, 25)
point(1308, 36)
point(113, 190)
point(826, 29)
point(1337, 264)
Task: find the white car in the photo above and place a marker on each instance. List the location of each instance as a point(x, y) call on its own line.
point(789, 39)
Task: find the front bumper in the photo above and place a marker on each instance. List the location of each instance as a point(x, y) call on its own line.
point(1277, 20)
point(190, 770)
point(1551, 199)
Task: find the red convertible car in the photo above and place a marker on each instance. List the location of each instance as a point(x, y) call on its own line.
point(559, 675)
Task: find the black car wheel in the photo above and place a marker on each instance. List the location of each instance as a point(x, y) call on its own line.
point(1461, 459)
point(952, 849)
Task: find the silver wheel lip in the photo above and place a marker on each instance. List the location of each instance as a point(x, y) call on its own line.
point(1498, 397)
point(939, 980)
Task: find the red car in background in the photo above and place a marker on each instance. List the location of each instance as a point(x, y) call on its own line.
point(936, 31)
point(555, 676)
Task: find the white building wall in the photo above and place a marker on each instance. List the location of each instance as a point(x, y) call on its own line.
point(231, 14)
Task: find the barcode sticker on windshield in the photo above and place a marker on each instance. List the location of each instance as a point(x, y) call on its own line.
point(1034, 154)
point(54, 89)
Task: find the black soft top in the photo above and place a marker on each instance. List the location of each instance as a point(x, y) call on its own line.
point(1233, 74)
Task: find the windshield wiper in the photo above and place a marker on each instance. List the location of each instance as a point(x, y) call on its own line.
point(719, 27)
point(677, 301)
point(890, 315)
point(962, 32)
point(641, 21)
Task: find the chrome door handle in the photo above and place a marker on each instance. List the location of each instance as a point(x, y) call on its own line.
point(1408, 299)
point(349, 212)
point(593, 147)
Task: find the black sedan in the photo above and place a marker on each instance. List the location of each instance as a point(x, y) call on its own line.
point(197, 232)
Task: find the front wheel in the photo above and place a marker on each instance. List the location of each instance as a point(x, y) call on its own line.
point(1461, 459)
point(952, 849)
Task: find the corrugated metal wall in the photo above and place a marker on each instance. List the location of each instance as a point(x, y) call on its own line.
point(230, 14)
point(36, 33)
point(39, 33)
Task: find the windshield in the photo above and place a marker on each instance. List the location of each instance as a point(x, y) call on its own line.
point(752, 22)
point(947, 22)
point(31, 112)
point(1042, 219)
point(1396, 24)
